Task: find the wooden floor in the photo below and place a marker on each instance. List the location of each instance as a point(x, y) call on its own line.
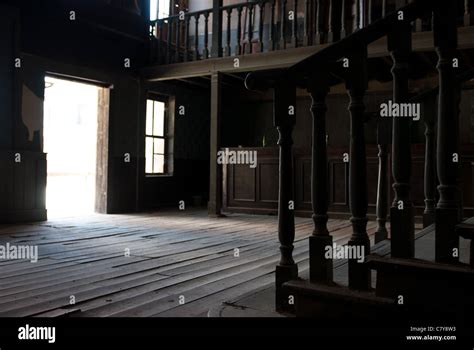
point(174, 256)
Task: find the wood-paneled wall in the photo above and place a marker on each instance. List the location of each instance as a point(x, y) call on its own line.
point(22, 186)
point(256, 190)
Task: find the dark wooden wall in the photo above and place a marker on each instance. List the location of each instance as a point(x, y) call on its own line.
point(190, 177)
point(256, 190)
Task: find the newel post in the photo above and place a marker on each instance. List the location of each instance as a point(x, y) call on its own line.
point(448, 210)
point(402, 222)
point(357, 83)
point(284, 120)
point(321, 268)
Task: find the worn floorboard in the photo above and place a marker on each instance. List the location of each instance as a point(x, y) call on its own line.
point(145, 264)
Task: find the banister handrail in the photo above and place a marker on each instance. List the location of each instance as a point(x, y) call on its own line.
point(186, 14)
point(241, 4)
point(340, 49)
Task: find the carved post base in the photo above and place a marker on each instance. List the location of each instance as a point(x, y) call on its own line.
point(381, 234)
point(429, 215)
point(359, 274)
point(402, 222)
point(320, 267)
point(284, 273)
point(447, 241)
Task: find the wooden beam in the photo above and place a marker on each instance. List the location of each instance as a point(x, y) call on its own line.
point(422, 42)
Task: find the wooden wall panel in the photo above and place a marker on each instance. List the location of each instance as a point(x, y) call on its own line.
point(22, 187)
point(245, 193)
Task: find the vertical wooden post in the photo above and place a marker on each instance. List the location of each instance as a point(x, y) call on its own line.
point(430, 165)
point(357, 82)
point(216, 50)
point(215, 185)
point(286, 270)
point(383, 140)
point(448, 210)
point(321, 268)
point(402, 222)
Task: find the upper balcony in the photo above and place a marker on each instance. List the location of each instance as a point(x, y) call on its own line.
point(269, 33)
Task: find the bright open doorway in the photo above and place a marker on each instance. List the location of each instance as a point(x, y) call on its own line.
point(71, 118)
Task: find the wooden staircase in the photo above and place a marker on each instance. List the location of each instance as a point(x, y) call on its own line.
point(406, 288)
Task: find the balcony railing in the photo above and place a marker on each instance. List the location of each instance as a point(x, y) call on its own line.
point(268, 25)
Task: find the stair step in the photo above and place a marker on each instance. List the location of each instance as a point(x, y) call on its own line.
point(417, 266)
point(465, 230)
point(336, 303)
point(439, 290)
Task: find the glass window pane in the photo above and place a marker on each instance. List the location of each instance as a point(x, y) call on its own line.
point(149, 117)
point(159, 146)
point(159, 165)
point(149, 155)
point(159, 126)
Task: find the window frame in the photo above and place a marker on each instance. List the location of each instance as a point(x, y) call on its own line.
point(166, 101)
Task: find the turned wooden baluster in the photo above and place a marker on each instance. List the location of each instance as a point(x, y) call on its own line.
point(343, 19)
point(249, 30)
point(177, 39)
point(271, 44)
point(430, 165)
point(160, 42)
point(319, 19)
point(307, 23)
point(383, 141)
point(402, 211)
point(196, 36)
point(260, 26)
point(286, 270)
point(283, 25)
point(294, 27)
point(448, 210)
point(168, 39)
point(186, 38)
point(205, 53)
point(357, 16)
point(238, 47)
point(321, 268)
point(369, 12)
point(228, 32)
point(359, 275)
point(330, 22)
point(467, 14)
